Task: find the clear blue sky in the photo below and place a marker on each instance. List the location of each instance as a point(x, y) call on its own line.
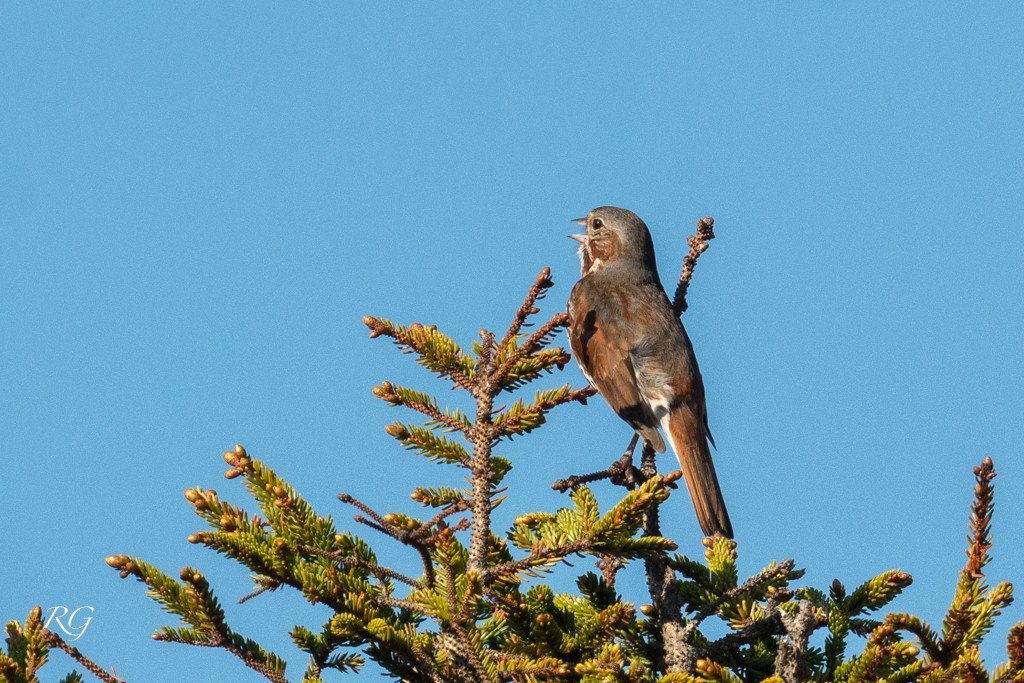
point(198, 203)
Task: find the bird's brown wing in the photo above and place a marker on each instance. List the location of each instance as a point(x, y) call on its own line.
point(605, 360)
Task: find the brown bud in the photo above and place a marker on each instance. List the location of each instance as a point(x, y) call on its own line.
point(116, 561)
point(385, 391)
point(233, 473)
point(673, 476)
point(374, 325)
point(280, 543)
point(416, 327)
point(195, 538)
point(397, 430)
point(648, 610)
point(192, 495)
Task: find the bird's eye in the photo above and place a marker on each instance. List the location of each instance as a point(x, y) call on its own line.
point(597, 224)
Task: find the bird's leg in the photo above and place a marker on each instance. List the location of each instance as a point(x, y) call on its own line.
point(622, 472)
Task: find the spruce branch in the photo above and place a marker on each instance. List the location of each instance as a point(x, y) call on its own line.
point(751, 586)
point(422, 403)
point(193, 601)
point(434, 350)
point(538, 557)
point(520, 418)
point(981, 519)
point(543, 336)
point(971, 613)
point(54, 641)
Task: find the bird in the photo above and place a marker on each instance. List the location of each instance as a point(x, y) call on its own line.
point(634, 350)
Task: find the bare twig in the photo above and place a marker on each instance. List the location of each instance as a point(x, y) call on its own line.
point(698, 245)
point(269, 585)
point(427, 528)
point(401, 535)
point(537, 290)
point(356, 503)
point(398, 603)
point(349, 561)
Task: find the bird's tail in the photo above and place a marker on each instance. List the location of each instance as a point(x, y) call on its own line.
point(687, 435)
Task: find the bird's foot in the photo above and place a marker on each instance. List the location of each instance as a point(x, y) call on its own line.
point(623, 472)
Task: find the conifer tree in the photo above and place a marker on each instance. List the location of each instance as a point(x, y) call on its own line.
point(480, 609)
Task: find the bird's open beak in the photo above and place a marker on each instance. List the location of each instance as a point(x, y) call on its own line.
point(579, 238)
point(581, 221)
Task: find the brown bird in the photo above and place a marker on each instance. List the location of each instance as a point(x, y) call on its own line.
point(633, 348)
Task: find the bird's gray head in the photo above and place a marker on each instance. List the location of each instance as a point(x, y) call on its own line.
point(614, 235)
